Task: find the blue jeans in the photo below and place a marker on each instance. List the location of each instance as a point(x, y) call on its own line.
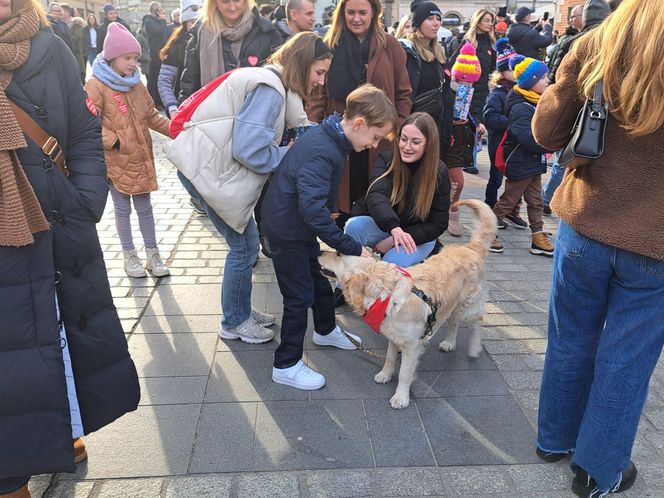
point(554, 180)
point(364, 230)
point(605, 336)
point(92, 55)
point(242, 254)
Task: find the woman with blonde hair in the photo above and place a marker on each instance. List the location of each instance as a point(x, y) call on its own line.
point(228, 35)
point(481, 36)
point(605, 329)
point(406, 207)
point(363, 53)
point(64, 363)
point(404, 28)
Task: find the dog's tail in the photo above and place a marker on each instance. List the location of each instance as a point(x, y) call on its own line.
point(485, 226)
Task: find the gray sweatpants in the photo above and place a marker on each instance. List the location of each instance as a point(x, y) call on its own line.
point(122, 205)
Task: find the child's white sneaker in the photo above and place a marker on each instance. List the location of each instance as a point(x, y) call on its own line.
point(154, 264)
point(133, 265)
point(336, 338)
point(298, 376)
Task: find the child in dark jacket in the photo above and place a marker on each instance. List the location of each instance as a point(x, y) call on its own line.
point(525, 158)
point(297, 210)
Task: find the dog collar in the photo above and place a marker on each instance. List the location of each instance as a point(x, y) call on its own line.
point(375, 315)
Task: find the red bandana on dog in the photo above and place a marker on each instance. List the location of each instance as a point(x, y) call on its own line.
point(375, 315)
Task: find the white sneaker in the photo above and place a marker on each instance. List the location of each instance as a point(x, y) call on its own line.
point(298, 376)
point(133, 265)
point(154, 263)
point(248, 331)
point(264, 319)
point(336, 338)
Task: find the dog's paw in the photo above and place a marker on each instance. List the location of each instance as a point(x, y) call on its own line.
point(448, 346)
point(398, 401)
point(474, 351)
point(382, 377)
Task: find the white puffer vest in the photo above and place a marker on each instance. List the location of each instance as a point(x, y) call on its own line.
point(203, 151)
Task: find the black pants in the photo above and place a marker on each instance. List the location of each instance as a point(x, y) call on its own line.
point(153, 78)
point(302, 286)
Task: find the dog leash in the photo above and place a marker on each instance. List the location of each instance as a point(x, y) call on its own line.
point(361, 347)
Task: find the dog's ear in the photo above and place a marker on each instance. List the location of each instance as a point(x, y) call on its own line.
point(354, 288)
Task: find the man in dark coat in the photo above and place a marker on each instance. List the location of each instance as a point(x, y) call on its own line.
point(110, 15)
point(157, 32)
point(67, 261)
point(529, 41)
point(55, 15)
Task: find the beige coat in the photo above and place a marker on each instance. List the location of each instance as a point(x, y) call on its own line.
point(126, 119)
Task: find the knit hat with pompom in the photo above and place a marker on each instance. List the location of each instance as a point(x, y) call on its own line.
point(504, 52)
point(527, 71)
point(467, 67)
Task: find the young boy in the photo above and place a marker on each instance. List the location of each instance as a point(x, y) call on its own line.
point(526, 160)
point(297, 209)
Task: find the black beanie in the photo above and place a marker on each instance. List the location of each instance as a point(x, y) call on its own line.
point(420, 11)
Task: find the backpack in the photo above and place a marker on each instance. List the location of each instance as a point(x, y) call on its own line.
point(186, 110)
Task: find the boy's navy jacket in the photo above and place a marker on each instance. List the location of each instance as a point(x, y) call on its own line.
point(495, 119)
point(303, 191)
point(523, 155)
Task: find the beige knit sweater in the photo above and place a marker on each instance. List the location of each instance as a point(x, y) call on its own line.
point(619, 199)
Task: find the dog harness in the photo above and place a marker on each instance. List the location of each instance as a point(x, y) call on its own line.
point(375, 315)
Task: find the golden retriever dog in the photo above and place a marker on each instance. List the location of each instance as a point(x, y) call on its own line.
point(452, 280)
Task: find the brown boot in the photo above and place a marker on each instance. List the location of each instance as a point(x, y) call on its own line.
point(79, 450)
point(23, 492)
point(542, 244)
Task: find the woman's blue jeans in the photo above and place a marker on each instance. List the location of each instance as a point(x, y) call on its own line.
point(604, 339)
point(554, 180)
point(242, 254)
point(364, 230)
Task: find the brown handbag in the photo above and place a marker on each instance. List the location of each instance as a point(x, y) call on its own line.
point(48, 144)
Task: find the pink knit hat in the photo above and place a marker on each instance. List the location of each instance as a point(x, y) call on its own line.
point(119, 41)
point(467, 67)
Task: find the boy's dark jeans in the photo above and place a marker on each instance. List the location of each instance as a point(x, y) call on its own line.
point(302, 286)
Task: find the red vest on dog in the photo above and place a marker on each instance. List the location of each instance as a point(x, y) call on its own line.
point(375, 315)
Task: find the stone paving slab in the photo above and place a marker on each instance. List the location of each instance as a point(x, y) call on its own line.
point(211, 422)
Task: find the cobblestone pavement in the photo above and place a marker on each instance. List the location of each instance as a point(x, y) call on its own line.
point(211, 422)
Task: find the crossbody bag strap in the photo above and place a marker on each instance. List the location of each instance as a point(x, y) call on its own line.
point(47, 143)
point(596, 105)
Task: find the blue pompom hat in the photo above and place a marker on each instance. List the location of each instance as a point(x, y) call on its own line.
point(527, 71)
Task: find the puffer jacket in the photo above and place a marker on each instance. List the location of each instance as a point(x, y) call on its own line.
point(495, 119)
point(126, 119)
point(377, 204)
point(35, 426)
point(523, 155)
point(203, 151)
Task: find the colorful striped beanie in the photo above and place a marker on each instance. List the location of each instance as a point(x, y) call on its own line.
point(504, 52)
point(527, 71)
point(467, 67)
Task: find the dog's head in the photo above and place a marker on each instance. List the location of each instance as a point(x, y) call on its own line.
point(362, 280)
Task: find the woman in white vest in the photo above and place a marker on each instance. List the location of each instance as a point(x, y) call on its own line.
point(227, 151)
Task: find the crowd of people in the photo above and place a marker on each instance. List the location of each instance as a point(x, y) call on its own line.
point(359, 139)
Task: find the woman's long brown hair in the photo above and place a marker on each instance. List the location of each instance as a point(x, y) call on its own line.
point(333, 35)
point(426, 178)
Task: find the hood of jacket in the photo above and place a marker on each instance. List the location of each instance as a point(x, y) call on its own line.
point(594, 12)
point(281, 25)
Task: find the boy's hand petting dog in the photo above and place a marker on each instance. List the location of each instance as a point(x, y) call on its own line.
point(366, 253)
point(404, 240)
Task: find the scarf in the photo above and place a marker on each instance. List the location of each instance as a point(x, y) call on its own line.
point(21, 215)
point(349, 65)
point(211, 48)
point(104, 73)
point(529, 95)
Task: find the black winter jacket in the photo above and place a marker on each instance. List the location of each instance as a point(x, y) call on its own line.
point(302, 193)
point(495, 119)
point(86, 40)
point(35, 425)
point(487, 57)
point(377, 204)
point(529, 41)
point(157, 32)
point(524, 156)
point(445, 118)
point(262, 40)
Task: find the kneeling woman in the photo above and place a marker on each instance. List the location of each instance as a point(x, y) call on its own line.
point(407, 205)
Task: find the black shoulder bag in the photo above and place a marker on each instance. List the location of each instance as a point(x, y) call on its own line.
point(587, 139)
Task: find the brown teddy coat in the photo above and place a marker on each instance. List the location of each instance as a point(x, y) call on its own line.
point(125, 119)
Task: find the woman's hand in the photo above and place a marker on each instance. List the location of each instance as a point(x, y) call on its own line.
point(366, 253)
point(404, 240)
point(384, 245)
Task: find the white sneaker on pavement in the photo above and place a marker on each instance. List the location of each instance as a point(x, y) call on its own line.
point(248, 331)
point(336, 338)
point(264, 319)
point(154, 263)
point(298, 376)
point(133, 266)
